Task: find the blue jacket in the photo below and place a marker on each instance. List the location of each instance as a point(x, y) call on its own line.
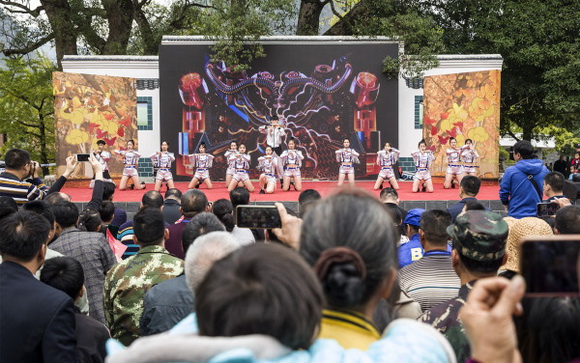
point(410, 251)
point(517, 192)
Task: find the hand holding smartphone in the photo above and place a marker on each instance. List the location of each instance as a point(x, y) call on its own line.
point(258, 216)
point(82, 157)
point(546, 209)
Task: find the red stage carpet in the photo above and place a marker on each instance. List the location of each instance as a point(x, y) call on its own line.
point(487, 192)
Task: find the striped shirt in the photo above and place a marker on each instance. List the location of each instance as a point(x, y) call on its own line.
point(21, 191)
point(125, 235)
point(430, 280)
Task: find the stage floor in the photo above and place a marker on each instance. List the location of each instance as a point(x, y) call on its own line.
point(487, 192)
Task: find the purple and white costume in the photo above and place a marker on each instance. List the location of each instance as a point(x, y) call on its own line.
point(422, 163)
point(231, 155)
point(202, 163)
point(163, 162)
point(268, 164)
point(241, 165)
point(469, 157)
point(454, 162)
point(292, 157)
point(387, 160)
point(130, 159)
point(347, 158)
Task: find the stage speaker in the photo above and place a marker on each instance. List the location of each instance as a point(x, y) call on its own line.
point(571, 190)
point(375, 141)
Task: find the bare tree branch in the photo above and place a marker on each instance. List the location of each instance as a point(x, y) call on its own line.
point(23, 9)
point(31, 47)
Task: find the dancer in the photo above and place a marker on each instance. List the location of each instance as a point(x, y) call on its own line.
point(468, 155)
point(347, 157)
point(275, 135)
point(102, 157)
point(423, 159)
point(268, 164)
point(292, 160)
point(163, 161)
point(131, 161)
point(387, 158)
point(202, 162)
point(230, 156)
point(454, 168)
point(241, 164)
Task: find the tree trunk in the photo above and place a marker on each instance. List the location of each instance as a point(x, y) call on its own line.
point(309, 17)
point(120, 19)
point(65, 36)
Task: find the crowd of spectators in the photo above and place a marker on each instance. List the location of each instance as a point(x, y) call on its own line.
point(333, 284)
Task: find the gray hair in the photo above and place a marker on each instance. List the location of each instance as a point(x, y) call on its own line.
point(204, 252)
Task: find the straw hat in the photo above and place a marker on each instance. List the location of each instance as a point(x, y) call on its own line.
point(518, 229)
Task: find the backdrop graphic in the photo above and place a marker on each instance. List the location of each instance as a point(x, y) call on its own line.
point(89, 108)
point(464, 106)
point(324, 91)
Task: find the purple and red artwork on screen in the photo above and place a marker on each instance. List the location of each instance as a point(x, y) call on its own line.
point(317, 107)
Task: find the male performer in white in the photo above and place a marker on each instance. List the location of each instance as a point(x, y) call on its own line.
point(275, 134)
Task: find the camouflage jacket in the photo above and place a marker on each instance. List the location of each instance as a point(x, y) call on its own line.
point(445, 318)
point(126, 285)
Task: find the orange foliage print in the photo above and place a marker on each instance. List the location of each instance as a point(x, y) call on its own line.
point(463, 106)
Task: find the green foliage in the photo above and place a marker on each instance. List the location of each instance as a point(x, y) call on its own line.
point(27, 106)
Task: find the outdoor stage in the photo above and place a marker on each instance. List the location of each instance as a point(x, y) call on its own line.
point(488, 192)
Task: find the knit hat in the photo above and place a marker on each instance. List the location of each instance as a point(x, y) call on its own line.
point(479, 235)
point(518, 229)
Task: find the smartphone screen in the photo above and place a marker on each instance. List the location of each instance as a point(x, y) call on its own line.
point(546, 209)
point(82, 157)
point(550, 265)
point(257, 216)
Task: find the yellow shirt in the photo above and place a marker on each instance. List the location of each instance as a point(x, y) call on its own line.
point(349, 329)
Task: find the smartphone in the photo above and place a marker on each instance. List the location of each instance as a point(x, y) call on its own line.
point(549, 265)
point(546, 209)
point(258, 216)
point(82, 157)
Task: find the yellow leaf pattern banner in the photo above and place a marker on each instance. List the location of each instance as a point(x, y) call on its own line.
point(464, 106)
point(89, 108)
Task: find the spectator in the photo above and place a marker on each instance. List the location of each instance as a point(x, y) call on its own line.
point(8, 206)
point(519, 228)
point(66, 274)
point(554, 185)
point(306, 197)
point(151, 199)
point(170, 301)
point(127, 282)
point(57, 197)
point(521, 185)
point(431, 280)
point(89, 221)
point(224, 210)
point(468, 189)
point(397, 219)
point(107, 213)
point(91, 249)
point(561, 166)
point(171, 205)
point(19, 167)
point(479, 240)
point(193, 202)
point(120, 214)
point(412, 250)
point(241, 196)
point(38, 323)
point(568, 220)
point(390, 198)
point(574, 165)
point(356, 266)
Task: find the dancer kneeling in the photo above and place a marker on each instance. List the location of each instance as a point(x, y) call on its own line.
point(163, 160)
point(423, 159)
point(267, 164)
point(131, 161)
point(202, 162)
point(387, 158)
point(347, 157)
point(241, 164)
point(454, 168)
point(468, 155)
point(292, 160)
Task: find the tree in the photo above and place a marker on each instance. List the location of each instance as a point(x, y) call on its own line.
point(27, 107)
point(538, 40)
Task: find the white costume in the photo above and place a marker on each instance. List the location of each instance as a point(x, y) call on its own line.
point(347, 158)
point(130, 159)
point(469, 157)
point(274, 136)
point(202, 163)
point(387, 160)
point(422, 163)
point(231, 155)
point(268, 165)
point(454, 162)
point(241, 165)
point(163, 162)
point(294, 158)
